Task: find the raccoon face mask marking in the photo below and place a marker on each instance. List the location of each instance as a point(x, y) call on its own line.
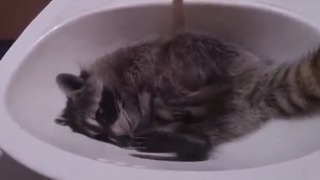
point(93, 109)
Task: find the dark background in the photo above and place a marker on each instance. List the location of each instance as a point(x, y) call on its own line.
point(15, 15)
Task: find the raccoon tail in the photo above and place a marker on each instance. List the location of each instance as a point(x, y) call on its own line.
point(293, 88)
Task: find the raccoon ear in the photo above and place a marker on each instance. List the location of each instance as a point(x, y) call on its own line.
point(69, 83)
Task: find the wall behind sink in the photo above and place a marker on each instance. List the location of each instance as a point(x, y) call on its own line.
point(15, 15)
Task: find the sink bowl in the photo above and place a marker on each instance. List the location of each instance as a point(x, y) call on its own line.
point(32, 99)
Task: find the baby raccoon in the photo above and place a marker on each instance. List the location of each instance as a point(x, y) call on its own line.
point(185, 94)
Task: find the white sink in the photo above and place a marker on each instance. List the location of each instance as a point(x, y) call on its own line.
point(32, 100)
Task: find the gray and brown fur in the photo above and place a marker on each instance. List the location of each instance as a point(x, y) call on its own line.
point(260, 93)
point(186, 93)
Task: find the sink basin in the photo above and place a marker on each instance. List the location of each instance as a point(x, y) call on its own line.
point(33, 100)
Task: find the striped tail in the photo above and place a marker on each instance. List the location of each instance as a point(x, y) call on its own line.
point(294, 88)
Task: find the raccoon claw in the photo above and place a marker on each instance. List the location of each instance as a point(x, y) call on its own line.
point(152, 141)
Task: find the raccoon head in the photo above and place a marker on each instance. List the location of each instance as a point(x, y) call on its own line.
point(92, 109)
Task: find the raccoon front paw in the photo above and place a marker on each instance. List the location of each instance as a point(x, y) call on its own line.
point(186, 147)
point(152, 142)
